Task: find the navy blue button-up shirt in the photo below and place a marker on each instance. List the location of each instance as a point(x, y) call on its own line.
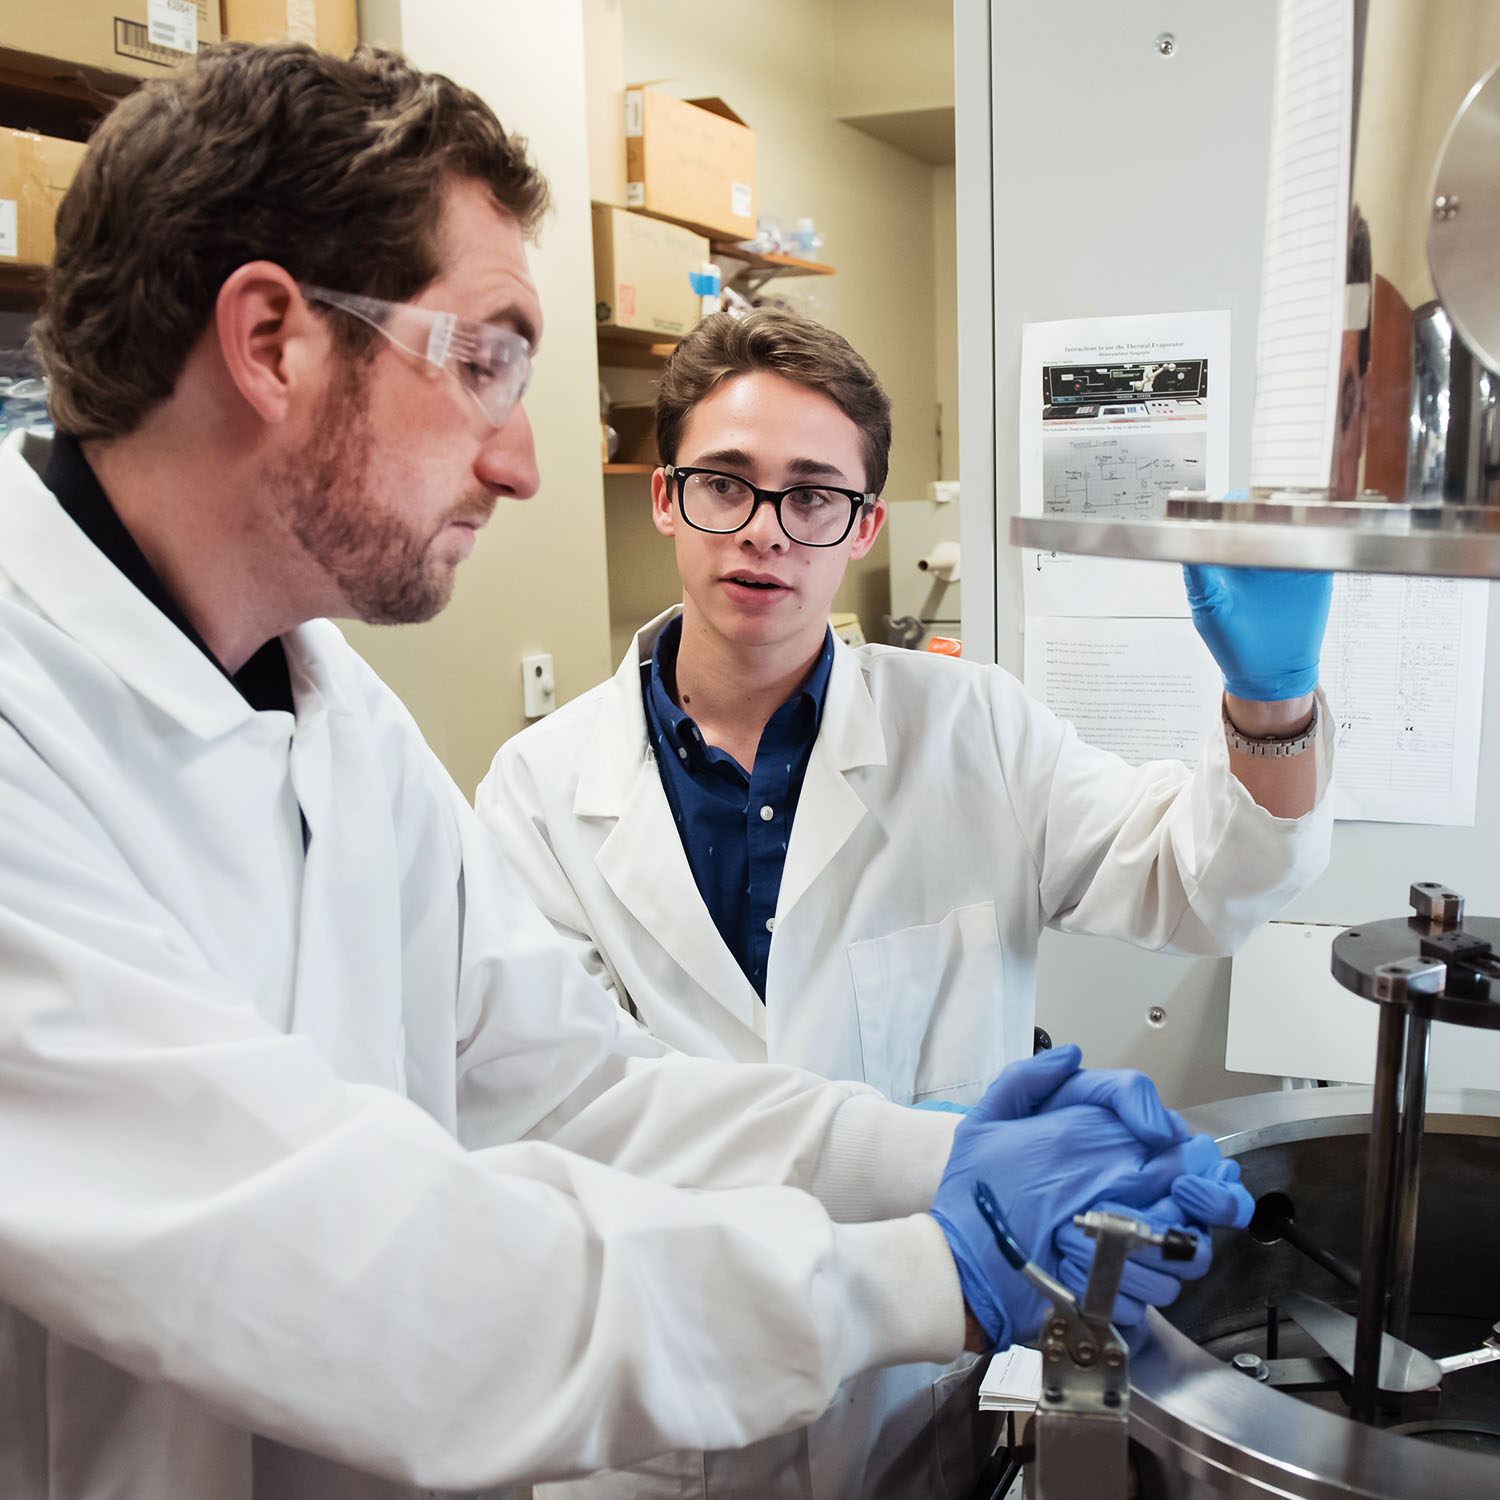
point(734, 827)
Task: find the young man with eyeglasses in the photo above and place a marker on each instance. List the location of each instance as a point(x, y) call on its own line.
point(772, 845)
point(325, 1168)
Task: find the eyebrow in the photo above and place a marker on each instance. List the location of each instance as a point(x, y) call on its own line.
point(798, 468)
point(511, 316)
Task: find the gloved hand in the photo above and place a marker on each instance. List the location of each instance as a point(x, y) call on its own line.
point(1042, 1169)
point(1054, 1079)
point(1194, 1203)
point(1264, 627)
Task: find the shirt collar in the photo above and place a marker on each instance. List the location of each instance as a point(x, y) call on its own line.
point(669, 721)
point(263, 681)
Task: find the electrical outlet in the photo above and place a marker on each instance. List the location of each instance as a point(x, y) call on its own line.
point(538, 690)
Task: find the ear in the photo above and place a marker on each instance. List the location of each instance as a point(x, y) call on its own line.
point(867, 528)
point(271, 343)
point(663, 517)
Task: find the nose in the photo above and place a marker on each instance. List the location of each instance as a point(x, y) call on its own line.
point(506, 463)
point(763, 531)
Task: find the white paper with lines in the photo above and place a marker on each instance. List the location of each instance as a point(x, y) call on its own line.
point(1306, 247)
point(1403, 667)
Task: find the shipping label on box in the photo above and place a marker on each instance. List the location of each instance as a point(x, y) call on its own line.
point(142, 38)
point(691, 160)
point(35, 171)
point(643, 272)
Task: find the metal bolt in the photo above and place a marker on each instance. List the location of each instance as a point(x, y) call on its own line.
point(1156, 1016)
point(1053, 1393)
point(1445, 206)
point(1085, 1353)
point(1252, 1365)
point(1053, 1354)
point(1111, 1398)
point(1114, 1358)
point(1166, 44)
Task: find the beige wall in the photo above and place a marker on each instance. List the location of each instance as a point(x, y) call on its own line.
point(536, 581)
point(872, 203)
point(893, 56)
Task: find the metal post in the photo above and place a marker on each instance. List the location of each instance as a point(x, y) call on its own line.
point(1380, 1164)
point(1408, 1172)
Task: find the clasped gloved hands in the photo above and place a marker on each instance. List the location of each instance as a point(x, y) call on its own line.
point(1264, 627)
point(1052, 1141)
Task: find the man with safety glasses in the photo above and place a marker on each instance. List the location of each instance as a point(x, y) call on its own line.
point(326, 1169)
point(773, 846)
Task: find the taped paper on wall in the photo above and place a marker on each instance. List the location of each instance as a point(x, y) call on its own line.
point(1145, 689)
point(1403, 667)
point(1116, 413)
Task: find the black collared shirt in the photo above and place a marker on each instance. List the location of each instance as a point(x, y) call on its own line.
point(264, 681)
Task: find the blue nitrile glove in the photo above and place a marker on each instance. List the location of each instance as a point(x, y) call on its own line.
point(1264, 627)
point(1054, 1080)
point(1195, 1203)
point(1042, 1169)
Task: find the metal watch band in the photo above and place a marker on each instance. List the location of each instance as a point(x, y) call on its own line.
point(1272, 745)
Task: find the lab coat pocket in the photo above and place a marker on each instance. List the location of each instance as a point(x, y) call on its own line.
point(931, 1005)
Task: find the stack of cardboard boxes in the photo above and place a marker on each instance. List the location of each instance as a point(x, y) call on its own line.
point(107, 46)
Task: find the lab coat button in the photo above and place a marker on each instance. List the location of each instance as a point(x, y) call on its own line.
point(766, 814)
point(770, 924)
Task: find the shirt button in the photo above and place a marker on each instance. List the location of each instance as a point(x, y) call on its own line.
point(770, 924)
point(681, 753)
point(766, 814)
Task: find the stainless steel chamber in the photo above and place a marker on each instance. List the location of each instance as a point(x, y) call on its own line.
point(1200, 1427)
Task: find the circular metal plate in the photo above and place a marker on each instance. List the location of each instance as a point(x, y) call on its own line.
point(1463, 234)
point(1426, 540)
point(1358, 952)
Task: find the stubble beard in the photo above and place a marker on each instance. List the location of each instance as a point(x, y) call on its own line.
point(386, 572)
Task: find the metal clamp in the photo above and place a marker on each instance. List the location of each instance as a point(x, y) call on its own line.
point(1082, 1422)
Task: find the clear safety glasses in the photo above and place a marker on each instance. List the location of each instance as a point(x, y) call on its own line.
point(814, 515)
point(491, 362)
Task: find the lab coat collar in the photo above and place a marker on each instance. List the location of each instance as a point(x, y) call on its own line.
point(88, 598)
point(829, 809)
point(642, 859)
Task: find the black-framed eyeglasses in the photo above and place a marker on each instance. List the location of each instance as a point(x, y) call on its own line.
point(812, 515)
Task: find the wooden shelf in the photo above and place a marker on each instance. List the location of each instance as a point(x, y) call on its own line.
point(623, 348)
point(766, 266)
point(630, 468)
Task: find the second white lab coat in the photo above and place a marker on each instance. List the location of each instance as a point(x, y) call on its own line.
point(325, 1171)
point(945, 819)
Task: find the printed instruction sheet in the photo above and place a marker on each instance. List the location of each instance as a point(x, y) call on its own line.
point(1116, 414)
point(1403, 668)
point(1145, 689)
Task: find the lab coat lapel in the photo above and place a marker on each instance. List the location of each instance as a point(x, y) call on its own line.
point(642, 859)
point(348, 995)
point(829, 809)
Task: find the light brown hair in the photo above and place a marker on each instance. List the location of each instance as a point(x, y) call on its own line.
point(783, 343)
point(333, 168)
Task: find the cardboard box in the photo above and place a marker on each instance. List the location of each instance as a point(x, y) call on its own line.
point(328, 25)
point(690, 160)
point(642, 272)
point(141, 38)
point(35, 171)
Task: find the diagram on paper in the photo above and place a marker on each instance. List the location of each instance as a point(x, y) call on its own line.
point(1123, 473)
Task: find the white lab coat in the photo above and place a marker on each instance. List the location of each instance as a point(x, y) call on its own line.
point(946, 818)
point(285, 1206)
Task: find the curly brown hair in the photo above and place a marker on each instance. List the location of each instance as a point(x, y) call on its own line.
point(333, 168)
point(787, 344)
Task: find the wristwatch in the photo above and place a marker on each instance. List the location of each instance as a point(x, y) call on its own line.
point(1275, 745)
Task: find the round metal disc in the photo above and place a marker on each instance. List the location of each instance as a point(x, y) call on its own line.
point(1423, 540)
point(1360, 951)
point(1463, 233)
